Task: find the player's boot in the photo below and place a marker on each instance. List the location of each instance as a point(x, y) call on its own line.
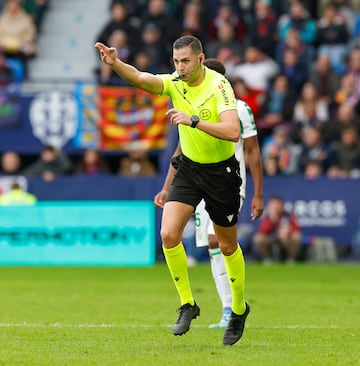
point(235, 327)
point(226, 314)
point(187, 314)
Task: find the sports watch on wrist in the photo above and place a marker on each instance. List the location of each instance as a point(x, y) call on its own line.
point(194, 121)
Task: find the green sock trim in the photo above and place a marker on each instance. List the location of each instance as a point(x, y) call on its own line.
point(215, 251)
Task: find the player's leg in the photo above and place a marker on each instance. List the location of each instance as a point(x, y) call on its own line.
point(219, 273)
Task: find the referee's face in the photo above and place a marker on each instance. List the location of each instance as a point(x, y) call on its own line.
point(188, 65)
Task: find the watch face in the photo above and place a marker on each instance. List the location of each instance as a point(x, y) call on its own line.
point(194, 121)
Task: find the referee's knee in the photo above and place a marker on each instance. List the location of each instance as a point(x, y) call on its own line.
point(169, 239)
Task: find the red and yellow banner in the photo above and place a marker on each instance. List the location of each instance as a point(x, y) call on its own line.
point(129, 116)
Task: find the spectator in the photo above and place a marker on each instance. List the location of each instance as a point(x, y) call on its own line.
point(277, 108)
point(325, 79)
point(17, 197)
point(119, 21)
point(226, 48)
point(107, 76)
point(299, 19)
point(309, 94)
point(142, 62)
point(313, 170)
point(263, 30)
point(355, 34)
point(310, 110)
point(346, 87)
point(192, 22)
point(271, 166)
point(10, 163)
point(226, 15)
point(152, 44)
point(17, 32)
point(37, 9)
point(6, 73)
point(257, 71)
point(345, 116)
point(134, 9)
point(305, 52)
point(283, 150)
point(156, 13)
point(313, 149)
point(346, 12)
point(332, 38)
point(295, 70)
point(347, 154)
point(353, 72)
point(92, 163)
point(137, 163)
point(278, 231)
point(282, 8)
point(50, 164)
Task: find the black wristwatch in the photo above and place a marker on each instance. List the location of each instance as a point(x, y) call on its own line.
point(194, 121)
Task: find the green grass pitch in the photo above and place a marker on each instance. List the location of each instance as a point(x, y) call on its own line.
point(300, 315)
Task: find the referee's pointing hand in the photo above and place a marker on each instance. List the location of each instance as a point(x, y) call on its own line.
point(107, 54)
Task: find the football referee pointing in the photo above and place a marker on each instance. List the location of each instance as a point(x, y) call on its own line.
point(206, 115)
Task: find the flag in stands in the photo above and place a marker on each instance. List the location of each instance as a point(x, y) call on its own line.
point(128, 115)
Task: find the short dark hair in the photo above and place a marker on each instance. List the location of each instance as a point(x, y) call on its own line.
point(188, 41)
point(215, 64)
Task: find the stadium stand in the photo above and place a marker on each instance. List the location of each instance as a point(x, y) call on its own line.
point(65, 45)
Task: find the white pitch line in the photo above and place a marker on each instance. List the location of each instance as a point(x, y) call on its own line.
point(63, 325)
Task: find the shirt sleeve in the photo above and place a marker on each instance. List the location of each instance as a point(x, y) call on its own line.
point(225, 96)
point(247, 120)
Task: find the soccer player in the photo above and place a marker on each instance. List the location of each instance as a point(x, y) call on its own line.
point(205, 235)
point(205, 112)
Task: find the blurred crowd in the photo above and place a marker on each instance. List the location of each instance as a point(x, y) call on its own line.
point(20, 25)
point(296, 63)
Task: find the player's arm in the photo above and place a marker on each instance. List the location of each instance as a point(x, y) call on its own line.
point(252, 157)
point(227, 129)
point(143, 80)
point(160, 197)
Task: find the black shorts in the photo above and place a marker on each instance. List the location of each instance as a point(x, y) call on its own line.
point(218, 184)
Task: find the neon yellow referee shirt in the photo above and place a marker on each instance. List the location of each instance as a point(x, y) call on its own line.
point(207, 100)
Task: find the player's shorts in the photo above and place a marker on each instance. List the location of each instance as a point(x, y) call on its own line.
point(217, 183)
point(203, 224)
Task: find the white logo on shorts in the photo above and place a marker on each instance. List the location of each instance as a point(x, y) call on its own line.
point(230, 217)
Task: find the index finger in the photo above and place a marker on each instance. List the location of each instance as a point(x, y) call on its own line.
point(100, 46)
point(170, 111)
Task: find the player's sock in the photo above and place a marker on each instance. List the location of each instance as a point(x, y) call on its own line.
point(177, 263)
point(235, 267)
point(220, 276)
